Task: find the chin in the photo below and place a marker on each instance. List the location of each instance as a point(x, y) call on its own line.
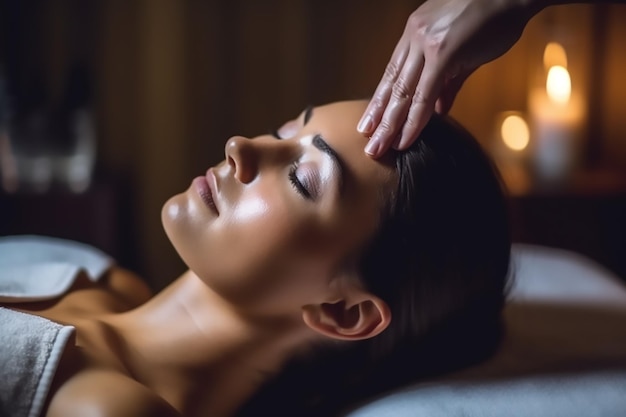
point(173, 219)
point(182, 228)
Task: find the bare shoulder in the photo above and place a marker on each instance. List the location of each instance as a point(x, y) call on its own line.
point(104, 393)
point(127, 285)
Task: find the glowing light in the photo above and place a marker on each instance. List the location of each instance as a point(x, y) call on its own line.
point(559, 84)
point(554, 55)
point(515, 133)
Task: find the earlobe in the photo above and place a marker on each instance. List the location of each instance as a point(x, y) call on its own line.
point(362, 319)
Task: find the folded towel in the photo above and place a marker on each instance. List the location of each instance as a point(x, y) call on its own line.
point(30, 350)
point(36, 268)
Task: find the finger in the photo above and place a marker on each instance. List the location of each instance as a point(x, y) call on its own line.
point(421, 106)
point(376, 107)
point(399, 103)
point(451, 88)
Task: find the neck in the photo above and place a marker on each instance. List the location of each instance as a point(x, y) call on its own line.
point(199, 352)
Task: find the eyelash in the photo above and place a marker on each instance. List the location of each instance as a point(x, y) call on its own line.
point(297, 184)
point(293, 178)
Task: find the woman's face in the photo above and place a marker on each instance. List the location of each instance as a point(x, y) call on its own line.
point(276, 223)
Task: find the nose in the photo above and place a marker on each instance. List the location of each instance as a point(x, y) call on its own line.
point(243, 158)
point(248, 157)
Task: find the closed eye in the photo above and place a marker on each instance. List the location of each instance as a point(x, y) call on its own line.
point(300, 187)
point(294, 179)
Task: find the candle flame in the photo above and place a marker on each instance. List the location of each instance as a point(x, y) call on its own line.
point(515, 132)
point(559, 84)
point(554, 54)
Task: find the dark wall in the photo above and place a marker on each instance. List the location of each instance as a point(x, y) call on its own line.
point(173, 80)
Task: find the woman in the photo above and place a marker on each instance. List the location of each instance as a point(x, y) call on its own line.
point(300, 249)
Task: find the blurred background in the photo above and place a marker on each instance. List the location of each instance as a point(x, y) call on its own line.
point(109, 107)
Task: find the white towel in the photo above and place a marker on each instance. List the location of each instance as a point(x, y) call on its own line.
point(36, 268)
point(30, 350)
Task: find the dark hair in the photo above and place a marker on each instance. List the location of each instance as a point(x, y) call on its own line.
point(440, 259)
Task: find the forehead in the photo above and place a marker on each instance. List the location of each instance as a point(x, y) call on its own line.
point(368, 179)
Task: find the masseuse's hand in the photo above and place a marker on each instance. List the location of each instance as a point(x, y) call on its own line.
point(444, 41)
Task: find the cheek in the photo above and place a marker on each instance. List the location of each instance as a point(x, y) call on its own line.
point(251, 211)
point(256, 243)
point(264, 227)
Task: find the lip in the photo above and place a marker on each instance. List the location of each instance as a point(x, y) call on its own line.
point(206, 189)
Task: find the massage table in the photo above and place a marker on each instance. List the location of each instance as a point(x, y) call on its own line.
point(563, 353)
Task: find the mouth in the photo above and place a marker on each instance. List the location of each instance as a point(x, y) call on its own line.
point(206, 189)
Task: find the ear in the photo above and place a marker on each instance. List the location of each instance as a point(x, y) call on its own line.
point(356, 318)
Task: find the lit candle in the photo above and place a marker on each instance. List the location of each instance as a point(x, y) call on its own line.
point(557, 115)
point(510, 149)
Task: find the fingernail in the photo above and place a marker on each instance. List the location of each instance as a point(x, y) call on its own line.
point(405, 143)
point(365, 125)
point(372, 147)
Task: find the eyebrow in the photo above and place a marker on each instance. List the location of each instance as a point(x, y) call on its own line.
point(308, 112)
point(322, 145)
